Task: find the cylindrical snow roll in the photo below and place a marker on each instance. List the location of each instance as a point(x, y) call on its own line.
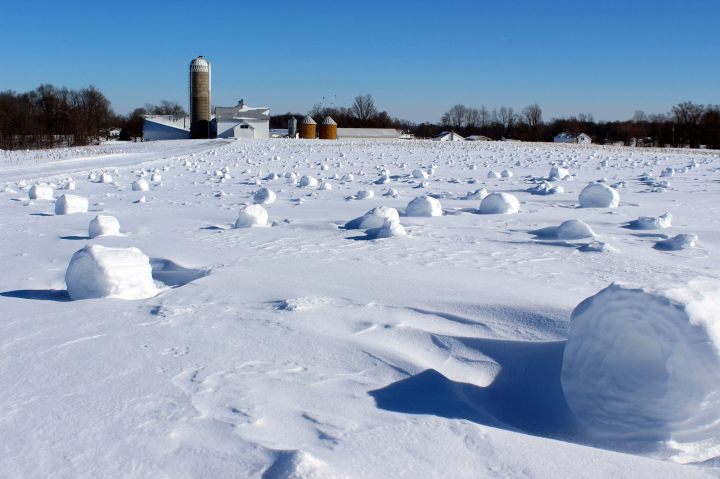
point(644, 365)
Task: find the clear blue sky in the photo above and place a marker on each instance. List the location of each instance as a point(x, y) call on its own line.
point(417, 58)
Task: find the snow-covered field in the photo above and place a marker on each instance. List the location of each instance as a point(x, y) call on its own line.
point(294, 347)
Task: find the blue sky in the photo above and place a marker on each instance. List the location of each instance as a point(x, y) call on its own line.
point(417, 58)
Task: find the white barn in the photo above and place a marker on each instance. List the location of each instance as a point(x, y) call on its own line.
point(165, 127)
point(449, 136)
point(564, 137)
point(242, 121)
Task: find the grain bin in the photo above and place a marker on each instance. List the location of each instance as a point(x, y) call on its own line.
point(308, 128)
point(328, 129)
point(200, 83)
point(292, 127)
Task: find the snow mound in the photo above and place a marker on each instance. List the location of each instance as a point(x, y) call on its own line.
point(499, 204)
point(104, 225)
point(105, 178)
point(308, 182)
point(678, 242)
point(252, 215)
point(70, 204)
point(420, 174)
point(653, 222)
point(493, 175)
point(599, 195)
point(40, 192)
point(477, 194)
point(264, 196)
point(364, 195)
point(506, 174)
point(424, 206)
point(375, 218)
point(642, 365)
point(140, 185)
point(574, 229)
point(545, 188)
point(390, 228)
point(99, 272)
point(558, 173)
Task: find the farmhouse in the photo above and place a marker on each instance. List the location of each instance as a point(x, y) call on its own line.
point(564, 137)
point(242, 121)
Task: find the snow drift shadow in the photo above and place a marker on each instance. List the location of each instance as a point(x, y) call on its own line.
point(526, 396)
point(59, 295)
point(174, 275)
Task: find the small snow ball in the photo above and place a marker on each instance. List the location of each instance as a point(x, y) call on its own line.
point(264, 196)
point(424, 206)
point(373, 218)
point(599, 195)
point(678, 242)
point(308, 181)
point(70, 204)
point(642, 364)
point(558, 173)
point(140, 185)
point(364, 194)
point(98, 272)
point(653, 222)
point(105, 178)
point(506, 174)
point(40, 192)
point(104, 225)
point(389, 228)
point(499, 204)
point(494, 175)
point(252, 215)
point(477, 194)
point(574, 229)
point(420, 174)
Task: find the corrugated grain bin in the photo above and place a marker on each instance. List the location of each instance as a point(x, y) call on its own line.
point(328, 129)
point(308, 128)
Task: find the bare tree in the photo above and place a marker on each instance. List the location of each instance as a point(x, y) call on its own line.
point(455, 117)
point(363, 109)
point(532, 114)
point(687, 116)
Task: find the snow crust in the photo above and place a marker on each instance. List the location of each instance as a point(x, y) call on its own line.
point(99, 272)
point(642, 364)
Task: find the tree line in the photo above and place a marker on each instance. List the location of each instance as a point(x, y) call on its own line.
point(49, 116)
point(686, 125)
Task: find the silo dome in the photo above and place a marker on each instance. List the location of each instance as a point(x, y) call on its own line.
point(199, 64)
point(328, 121)
point(308, 120)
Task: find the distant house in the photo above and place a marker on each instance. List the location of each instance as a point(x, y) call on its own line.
point(477, 138)
point(368, 134)
point(166, 127)
point(242, 121)
point(449, 136)
point(583, 139)
point(564, 137)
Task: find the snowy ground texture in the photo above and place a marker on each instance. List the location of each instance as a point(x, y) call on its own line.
point(302, 349)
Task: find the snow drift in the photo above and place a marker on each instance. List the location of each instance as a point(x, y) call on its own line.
point(98, 272)
point(643, 365)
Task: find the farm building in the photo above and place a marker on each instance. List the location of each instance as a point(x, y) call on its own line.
point(449, 136)
point(166, 127)
point(242, 121)
point(478, 138)
point(564, 137)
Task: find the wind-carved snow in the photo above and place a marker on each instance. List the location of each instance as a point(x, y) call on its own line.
point(302, 350)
